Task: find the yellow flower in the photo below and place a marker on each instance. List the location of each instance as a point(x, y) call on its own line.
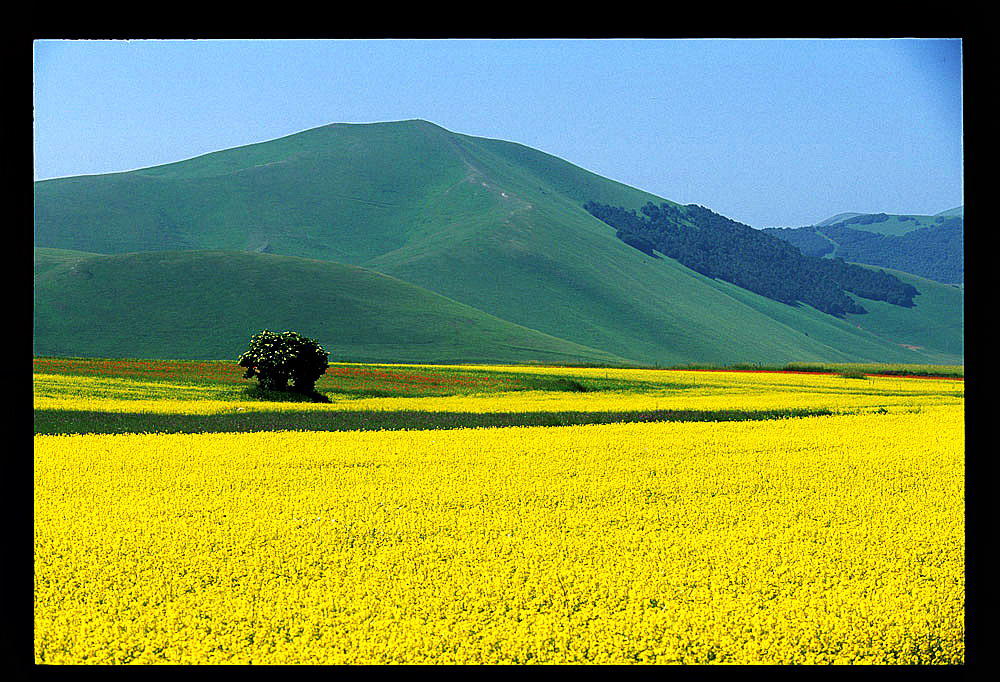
point(831, 540)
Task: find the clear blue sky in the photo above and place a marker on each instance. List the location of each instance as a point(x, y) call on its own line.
point(767, 132)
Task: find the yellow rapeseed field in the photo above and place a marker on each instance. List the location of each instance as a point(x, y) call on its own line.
point(832, 539)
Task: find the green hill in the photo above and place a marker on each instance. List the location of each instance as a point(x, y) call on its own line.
point(890, 224)
point(958, 211)
point(203, 305)
point(492, 224)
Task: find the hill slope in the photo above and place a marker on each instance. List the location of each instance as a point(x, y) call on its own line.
point(938, 331)
point(116, 306)
point(495, 225)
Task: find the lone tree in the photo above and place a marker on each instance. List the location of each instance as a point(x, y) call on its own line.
point(277, 359)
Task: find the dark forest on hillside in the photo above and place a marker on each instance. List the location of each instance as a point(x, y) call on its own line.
point(718, 247)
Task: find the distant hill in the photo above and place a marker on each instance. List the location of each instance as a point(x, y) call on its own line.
point(930, 246)
point(884, 223)
point(494, 225)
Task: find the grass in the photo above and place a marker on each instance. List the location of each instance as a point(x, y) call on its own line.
point(114, 306)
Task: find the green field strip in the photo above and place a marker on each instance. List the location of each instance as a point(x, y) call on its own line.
point(52, 422)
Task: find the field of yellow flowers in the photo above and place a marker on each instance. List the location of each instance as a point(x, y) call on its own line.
point(818, 539)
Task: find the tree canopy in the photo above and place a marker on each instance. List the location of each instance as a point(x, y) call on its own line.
point(277, 359)
point(718, 247)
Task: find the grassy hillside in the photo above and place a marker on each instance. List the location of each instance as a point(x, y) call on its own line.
point(890, 224)
point(556, 260)
point(492, 224)
point(937, 331)
point(47, 259)
point(207, 305)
